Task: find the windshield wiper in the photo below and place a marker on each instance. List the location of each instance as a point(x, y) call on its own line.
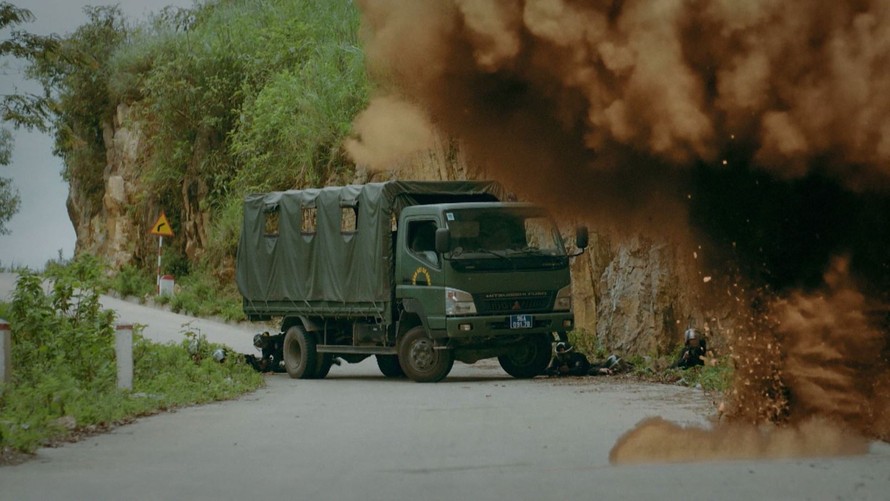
point(492, 253)
point(531, 250)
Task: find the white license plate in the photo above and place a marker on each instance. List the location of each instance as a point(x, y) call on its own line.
point(521, 321)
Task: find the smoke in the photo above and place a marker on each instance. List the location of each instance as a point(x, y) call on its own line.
point(758, 129)
point(812, 375)
point(388, 131)
point(817, 354)
point(675, 80)
point(657, 440)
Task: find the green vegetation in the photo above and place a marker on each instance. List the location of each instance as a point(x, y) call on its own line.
point(715, 375)
point(91, 271)
point(234, 96)
point(200, 294)
point(64, 372)
point(9, 195)
point(23, 109)
point(131, 281)
point(587, 343)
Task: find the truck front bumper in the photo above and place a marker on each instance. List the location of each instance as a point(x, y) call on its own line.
point(499, 325)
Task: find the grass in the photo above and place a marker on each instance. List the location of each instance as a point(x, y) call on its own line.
point(588, 344)
point(711, 377)
point(57, 406)
point(131, 281)
point(64, 373)
point(202, 295)
point(716, 375)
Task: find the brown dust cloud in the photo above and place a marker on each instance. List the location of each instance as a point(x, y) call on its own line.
point(757, 131)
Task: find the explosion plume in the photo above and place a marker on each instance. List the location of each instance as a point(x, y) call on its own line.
point(761, 127)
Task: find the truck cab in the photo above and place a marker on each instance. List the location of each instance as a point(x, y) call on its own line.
point(484, 279)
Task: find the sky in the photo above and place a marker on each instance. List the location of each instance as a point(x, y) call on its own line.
point(41, 230)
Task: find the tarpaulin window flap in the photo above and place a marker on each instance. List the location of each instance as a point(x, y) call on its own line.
point(308, 220)
point(272, 220)
point(298, 272)
point(349, 219)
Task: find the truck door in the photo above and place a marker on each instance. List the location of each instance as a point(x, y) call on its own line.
point(420, 270)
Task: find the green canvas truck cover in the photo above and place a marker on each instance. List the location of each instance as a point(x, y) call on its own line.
point(281, 259)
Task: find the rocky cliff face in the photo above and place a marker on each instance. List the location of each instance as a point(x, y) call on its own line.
point(110, 228)
point(643, 303)
point(633, 296)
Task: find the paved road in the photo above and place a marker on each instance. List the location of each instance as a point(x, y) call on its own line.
point(478, 435)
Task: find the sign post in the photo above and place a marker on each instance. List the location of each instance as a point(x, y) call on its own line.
point(162, 229)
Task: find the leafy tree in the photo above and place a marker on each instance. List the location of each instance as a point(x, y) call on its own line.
point(231, 97)
point(76, 101)
point(9, 196)
point(292, 127)
point(75, 81)
point(24, 109)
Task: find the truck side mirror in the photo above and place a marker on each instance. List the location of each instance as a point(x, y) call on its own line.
point(443, 240)
point(582, 238)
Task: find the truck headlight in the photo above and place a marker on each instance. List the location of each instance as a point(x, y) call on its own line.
point(564, 299)
point(458, 302)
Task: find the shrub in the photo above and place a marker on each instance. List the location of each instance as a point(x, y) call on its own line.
point(587, 343)
point(202, 295)
point(85, 270)
point(132, 281)
point(64, 372)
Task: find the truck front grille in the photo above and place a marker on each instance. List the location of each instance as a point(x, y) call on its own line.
point(526, 302)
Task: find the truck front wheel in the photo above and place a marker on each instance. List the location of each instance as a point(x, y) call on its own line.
point(299, 353)
point(420, 360)
point(389, 366)
point(530, 359)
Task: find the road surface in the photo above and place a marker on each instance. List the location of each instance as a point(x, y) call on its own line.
point(478, 435)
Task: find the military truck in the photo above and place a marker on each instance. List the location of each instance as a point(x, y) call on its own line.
point(417, 274)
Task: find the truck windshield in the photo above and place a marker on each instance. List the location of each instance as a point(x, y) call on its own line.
point(509, 237)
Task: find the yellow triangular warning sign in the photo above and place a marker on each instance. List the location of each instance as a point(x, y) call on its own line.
point(162, 227)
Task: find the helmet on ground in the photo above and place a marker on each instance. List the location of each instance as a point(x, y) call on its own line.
point(258, 341)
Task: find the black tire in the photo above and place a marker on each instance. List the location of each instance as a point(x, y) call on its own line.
point(389, 366)
point(530, 359)
point(300, 357)
point(418, 359)
point(324, 363)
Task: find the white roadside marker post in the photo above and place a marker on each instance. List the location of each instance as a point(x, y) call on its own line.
point(5, 352)
point(123, 350)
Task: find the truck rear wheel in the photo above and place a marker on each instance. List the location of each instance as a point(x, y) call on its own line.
point(300, 356)
point(389, 366)
point(420, 360)
point(530, 359)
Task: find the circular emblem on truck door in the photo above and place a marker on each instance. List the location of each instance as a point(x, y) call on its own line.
point(421, 271)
